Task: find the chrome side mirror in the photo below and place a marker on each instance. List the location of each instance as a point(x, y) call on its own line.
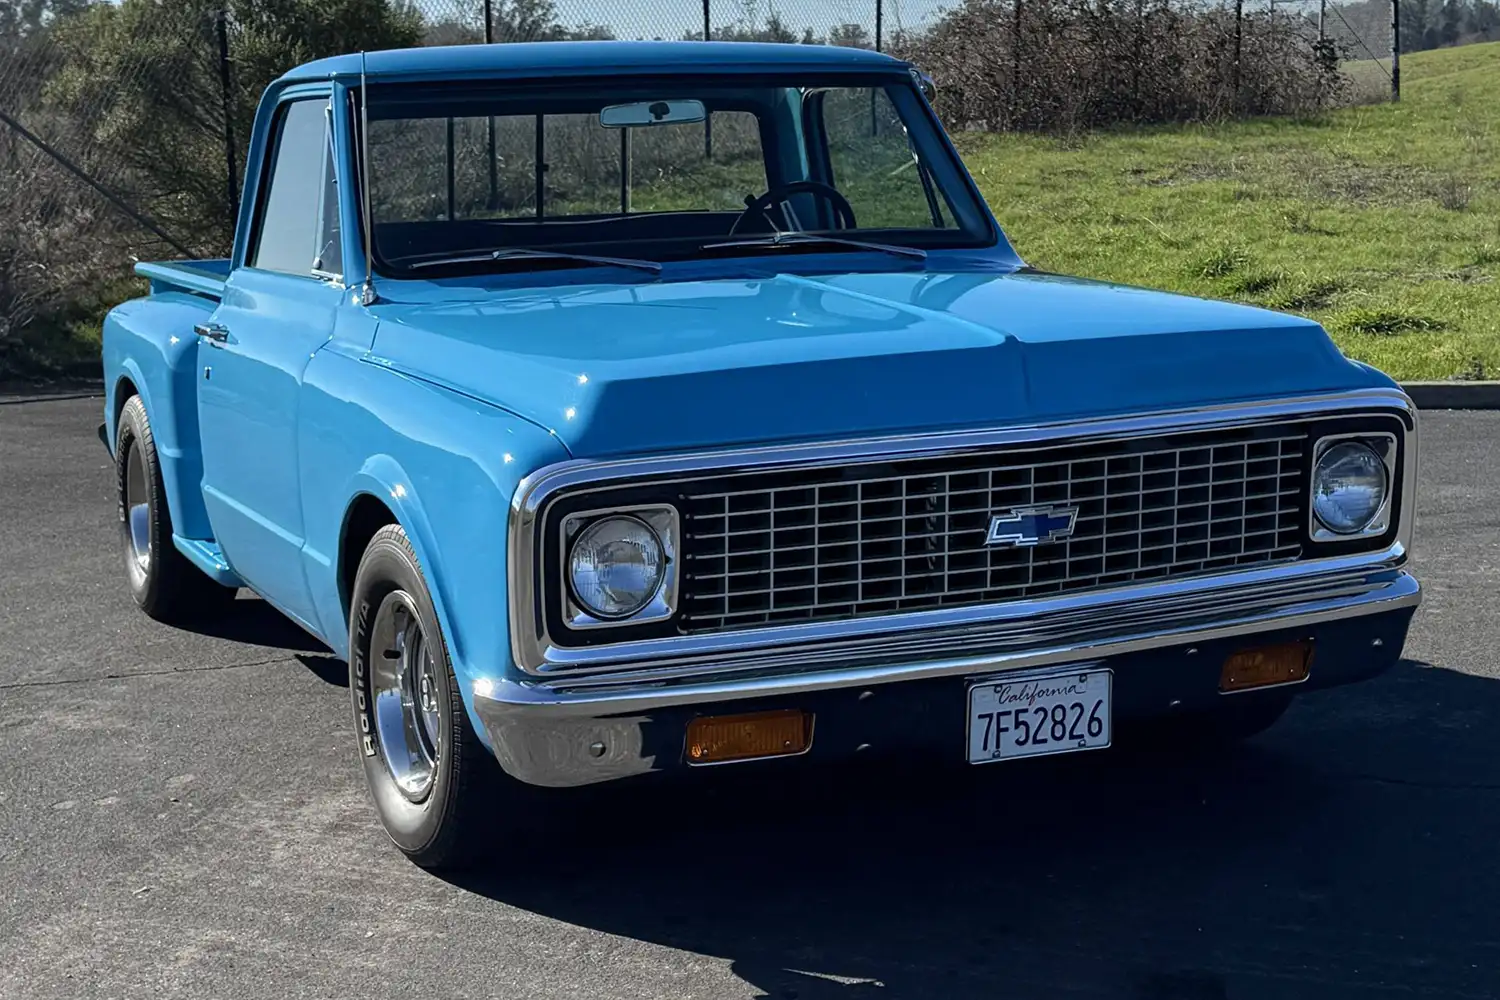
point(925, 84)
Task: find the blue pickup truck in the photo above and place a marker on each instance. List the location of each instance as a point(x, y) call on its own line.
point(623, 408)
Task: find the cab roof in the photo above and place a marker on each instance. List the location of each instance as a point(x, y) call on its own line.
point(589, 58)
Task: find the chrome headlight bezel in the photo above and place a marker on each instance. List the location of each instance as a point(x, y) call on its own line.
point(664, 522)
point(1385, 446)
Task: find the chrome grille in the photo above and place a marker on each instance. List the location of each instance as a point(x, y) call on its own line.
point(909, 535)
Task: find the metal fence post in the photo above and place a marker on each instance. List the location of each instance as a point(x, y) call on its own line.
point(879, 41)
point(231, 182)
point(1015, 64)
point(708, 125)
point(494, 178)
point(1322, 42)
point(1396, 50)
point(1137, 54)
point(1239, 22)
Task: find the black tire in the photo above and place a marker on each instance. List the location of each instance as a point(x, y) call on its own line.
point(455, 816)
point(1240, 717)
point(164, 584)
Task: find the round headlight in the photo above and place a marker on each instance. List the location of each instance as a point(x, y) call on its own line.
point(1349, 486)
point(616, 567)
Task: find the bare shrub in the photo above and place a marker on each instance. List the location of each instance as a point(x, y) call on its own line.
point(60, 244)
point(1066, 65)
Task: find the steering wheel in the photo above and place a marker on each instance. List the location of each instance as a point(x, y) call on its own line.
point(756, 208)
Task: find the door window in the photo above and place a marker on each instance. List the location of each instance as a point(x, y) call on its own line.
point(292, 233)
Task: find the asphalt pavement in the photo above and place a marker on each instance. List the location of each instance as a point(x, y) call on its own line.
point(182, 814)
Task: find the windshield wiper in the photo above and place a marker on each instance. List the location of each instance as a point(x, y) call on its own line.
point(526, 253)
point(784, 239)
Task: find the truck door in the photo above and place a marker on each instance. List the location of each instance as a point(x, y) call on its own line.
point(278, 309)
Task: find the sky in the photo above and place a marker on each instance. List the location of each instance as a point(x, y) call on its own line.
point(673, 18)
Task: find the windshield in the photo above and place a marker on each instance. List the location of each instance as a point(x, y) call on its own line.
point(670, 169)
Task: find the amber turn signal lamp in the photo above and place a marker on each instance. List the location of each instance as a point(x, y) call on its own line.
point(1266, 665)
point(715, 739)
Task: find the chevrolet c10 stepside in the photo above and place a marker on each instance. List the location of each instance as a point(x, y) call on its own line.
point(625, 407)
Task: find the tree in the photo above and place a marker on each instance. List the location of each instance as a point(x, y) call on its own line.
point(854, 36)
point(511, 21)
point(1483, 21)
point(22, 18)
point(1451, 23)
point(142, 79)
point(773, 30)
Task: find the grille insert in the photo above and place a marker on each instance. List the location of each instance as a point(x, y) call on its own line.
point(812, 545)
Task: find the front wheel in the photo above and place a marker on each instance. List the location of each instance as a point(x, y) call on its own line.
point(433, 782)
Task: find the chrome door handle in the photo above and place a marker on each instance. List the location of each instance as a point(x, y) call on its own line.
point(213, 331)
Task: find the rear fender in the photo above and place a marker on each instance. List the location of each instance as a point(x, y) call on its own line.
point(150, 341)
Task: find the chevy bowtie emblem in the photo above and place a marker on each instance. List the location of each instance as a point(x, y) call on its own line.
point(1031, 525)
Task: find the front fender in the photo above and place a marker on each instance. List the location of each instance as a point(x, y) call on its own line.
point(383, 478)
point(446, 467)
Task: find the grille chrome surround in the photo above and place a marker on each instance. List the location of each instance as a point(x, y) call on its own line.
point(539, 651)
point(878, 539)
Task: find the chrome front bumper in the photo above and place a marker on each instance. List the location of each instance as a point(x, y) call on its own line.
point(577, 730)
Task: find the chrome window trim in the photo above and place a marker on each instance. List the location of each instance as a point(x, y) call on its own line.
point(1317, 531)
point(534, 653)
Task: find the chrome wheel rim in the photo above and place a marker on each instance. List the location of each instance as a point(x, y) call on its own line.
point(137, 509)
point(404, 690)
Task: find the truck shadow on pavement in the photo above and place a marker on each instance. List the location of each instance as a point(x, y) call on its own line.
point(1349, 849)
point(253, 621)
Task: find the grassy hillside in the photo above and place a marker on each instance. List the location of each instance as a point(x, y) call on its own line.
point(1382, 222)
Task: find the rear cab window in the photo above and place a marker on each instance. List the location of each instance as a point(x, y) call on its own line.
point(670, 167)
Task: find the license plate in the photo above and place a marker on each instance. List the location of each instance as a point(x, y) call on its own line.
point(1029, 715)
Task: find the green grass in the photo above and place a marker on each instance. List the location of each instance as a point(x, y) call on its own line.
point(1382, 222)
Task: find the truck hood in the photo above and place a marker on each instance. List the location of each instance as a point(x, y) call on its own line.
point(662, 366)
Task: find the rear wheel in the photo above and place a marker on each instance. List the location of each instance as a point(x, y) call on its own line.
point(435, 785)
point(162, 581)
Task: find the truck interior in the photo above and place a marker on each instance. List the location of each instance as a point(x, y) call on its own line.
point(657, 169)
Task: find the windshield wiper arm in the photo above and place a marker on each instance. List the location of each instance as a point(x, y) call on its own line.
point(526, 253)
point(805, 239)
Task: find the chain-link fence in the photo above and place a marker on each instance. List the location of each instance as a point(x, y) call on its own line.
point(123, 123)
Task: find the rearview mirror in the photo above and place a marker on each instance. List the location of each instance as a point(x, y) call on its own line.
point(652, 113)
